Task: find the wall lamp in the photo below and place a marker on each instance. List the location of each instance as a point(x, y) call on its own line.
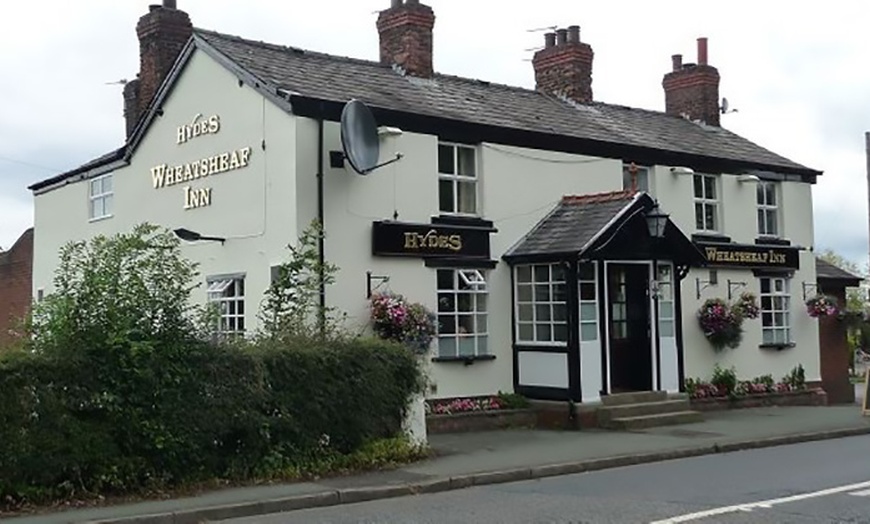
point(681, 170)
point(748, 178)
point(192, 236)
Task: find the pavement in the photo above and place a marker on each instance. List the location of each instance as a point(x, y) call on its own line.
point(475, 459)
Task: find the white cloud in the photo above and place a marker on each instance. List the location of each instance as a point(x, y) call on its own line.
point(795, 75)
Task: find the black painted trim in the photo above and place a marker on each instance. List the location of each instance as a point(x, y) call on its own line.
point(602, 326)
point(777, 347)
point(560, 350)
point(468, 222)
point(772, 241)
point(467, 360)
point(543, 393)
point(678, 325)
point(548, 258)
point(775, 273)
point(469, 263)
point(473, 133)
point(654, 320)
point(574, 373)
point(707, 237)
point(514, 353)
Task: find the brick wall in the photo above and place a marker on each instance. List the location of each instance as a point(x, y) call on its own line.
point(564, 66)
point(16, 281)
point(406, 38)
point(834, 349)
point(692, 90)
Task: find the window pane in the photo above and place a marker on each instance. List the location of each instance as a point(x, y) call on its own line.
point(107, 184)
point(465, 324)
point(465, 302)
point(767, 319)
point(107, 204)
point(466, 161)
point(771, 221)
point(447, 347)
point(666, 309)
point(524, 293)
point(542, 293)
point(770, 191)
point(524, 313)
point(467, 197)
point(482, 348)
point(588, 311)
point(761, 227)
point(560, 332)
point(446, 324)
point(526, 332)
point(558, 273)
point(445, 160)
point(765, 286)
point(542, 273)
point(446, 302)
point(560, 293)
point(94, 210)
point(445, 279)
point(543, 333)
point(560, 312)
point(95, 187)
point(710, 188)
point(759, 193)
point(524, 274)
point(699, 216)
point(445, 196)
point(482, 326)
point(542, 313)
point(588, 331)
point(699, 186)
point(666, 328)
point(587, 291)
point(481, 300)
point(710, 217)
point(586, 271)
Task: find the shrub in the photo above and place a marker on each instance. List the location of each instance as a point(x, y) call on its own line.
point(135, 416)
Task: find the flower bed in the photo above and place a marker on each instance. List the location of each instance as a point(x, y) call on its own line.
point(725, 391)
point(504, 410)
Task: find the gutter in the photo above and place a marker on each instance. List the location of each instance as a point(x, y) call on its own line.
point(321, 257)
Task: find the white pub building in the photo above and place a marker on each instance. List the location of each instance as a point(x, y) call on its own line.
point(565, 244)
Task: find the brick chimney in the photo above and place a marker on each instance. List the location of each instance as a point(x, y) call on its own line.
point(406, 36)
point(163, 33)
point(692, 90)
point(564, 65)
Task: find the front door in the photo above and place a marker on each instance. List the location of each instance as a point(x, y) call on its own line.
point(630, 338)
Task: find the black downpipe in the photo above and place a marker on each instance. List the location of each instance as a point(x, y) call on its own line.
point(320, 244)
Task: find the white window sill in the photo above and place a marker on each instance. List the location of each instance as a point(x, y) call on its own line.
point(100, 219)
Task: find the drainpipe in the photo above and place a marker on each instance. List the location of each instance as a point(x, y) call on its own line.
point(320, 244)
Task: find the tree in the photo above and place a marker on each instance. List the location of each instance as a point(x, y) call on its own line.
point(291, 307)
point(127, 287)
point(856, 301)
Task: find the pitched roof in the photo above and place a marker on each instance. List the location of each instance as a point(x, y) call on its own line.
point(827, 271)
point(573, 224)
point(340, 79)
point(337, 79)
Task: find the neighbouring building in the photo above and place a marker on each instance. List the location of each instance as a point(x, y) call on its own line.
point(565, 244)
point(16, 286)
point(835, 361)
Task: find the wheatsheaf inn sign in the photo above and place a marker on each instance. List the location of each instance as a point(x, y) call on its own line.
point(165, 175)
point(750, 256)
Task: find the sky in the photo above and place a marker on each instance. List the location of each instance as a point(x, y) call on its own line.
point(798, 78)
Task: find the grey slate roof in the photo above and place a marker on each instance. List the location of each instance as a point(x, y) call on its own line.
point(340, 79)
point(572, 224)
point(827, 271)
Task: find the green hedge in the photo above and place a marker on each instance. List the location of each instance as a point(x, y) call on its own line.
point(123, 419)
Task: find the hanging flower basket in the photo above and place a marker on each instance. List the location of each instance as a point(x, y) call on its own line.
point(821, 306)
point(722, 324)
point(748, 305)
point(394, 318)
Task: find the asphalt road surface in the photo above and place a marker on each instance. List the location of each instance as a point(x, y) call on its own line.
point(817, 482)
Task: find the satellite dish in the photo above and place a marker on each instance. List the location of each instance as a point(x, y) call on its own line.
point(360, 139)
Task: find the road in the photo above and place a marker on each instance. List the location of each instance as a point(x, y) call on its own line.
point(816, 482)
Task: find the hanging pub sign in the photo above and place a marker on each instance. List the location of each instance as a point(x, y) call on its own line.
point(403, 239)
point(750, 256)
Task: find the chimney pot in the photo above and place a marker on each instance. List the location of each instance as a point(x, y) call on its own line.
point(549, 39)
point(170, 4)
point(412, 2)
point(574, 33)
point(677, 61)
point(702, 51)
point(395, 3)
point(561, 36)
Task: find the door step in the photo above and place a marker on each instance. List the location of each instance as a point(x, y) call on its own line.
point(635, 397)
point(649, 421)
point(608, 413)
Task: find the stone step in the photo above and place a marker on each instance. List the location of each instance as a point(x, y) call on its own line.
point(649, 421)
point(635, 397)
point(606, 413)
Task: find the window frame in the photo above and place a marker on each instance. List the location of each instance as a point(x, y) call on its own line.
point(456, 179)
point(217, 287)
point(534, 304)
point(704, 202)
point(785, 311)
point(106, 197)
point(476, 286)
point(763, 208)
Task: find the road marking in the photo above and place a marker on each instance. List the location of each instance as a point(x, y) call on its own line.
point(766, 504)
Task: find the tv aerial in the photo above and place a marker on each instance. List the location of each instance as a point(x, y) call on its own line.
point(360, 139)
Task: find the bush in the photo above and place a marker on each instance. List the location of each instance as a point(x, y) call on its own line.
point(138, 416)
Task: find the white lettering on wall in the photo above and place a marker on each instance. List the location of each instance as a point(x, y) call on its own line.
point(198, 127)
